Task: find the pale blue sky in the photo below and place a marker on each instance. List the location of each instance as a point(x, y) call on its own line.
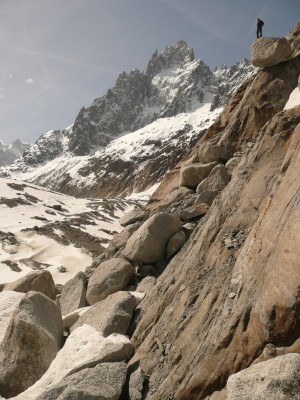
point(58, 55)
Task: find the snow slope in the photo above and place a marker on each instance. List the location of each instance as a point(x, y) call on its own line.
point(157, 140)
point(44, 229)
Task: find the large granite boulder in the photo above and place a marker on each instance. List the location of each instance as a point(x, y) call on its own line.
point(31, 341)
point(84, 348)
point(148, 245)
point(112, 315)
point(269, 51)
point(38, 281)
point(278, 378)
point(212, 152)
point(192, 174)
point(102, 382)
point(216, 180)
point(9, 302)
point(73, 294)
point(110, 276)
point(175, 196)
point(132, 217)
point(206, 197)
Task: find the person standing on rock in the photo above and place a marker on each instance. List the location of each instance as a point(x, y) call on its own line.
point(259, 25)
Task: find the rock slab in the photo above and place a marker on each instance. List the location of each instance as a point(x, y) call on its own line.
point(132, 217)
point(73, 294)
point(102, 382)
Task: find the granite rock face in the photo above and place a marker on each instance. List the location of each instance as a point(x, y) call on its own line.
point(229, 291)
point(233, 299)
point(192, 174)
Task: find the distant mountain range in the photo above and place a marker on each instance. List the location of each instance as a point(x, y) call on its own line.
point(129, 138)
point(11, 152)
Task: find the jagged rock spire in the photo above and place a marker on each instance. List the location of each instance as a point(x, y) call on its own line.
point(178, 54)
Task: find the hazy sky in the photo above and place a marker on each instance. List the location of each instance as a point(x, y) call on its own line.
point(58, 55)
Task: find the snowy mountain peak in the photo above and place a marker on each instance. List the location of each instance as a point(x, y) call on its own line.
point(177, 55)
point(10, 152)
point(44, 149)
point(161, 113)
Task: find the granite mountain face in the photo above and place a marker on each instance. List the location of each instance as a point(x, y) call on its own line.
point(175, 85)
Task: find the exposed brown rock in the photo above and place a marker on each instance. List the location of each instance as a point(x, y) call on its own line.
point(293, 38)
point(132, 217)
point(195, 211)
point(196, 304)
point(175, 243)
point(207, 197)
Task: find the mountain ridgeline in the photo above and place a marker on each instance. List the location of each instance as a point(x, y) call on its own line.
point(174, 84)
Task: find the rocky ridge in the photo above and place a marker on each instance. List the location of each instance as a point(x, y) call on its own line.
point(209, 272)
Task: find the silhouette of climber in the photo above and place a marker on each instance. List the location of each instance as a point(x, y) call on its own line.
point(260, 24)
